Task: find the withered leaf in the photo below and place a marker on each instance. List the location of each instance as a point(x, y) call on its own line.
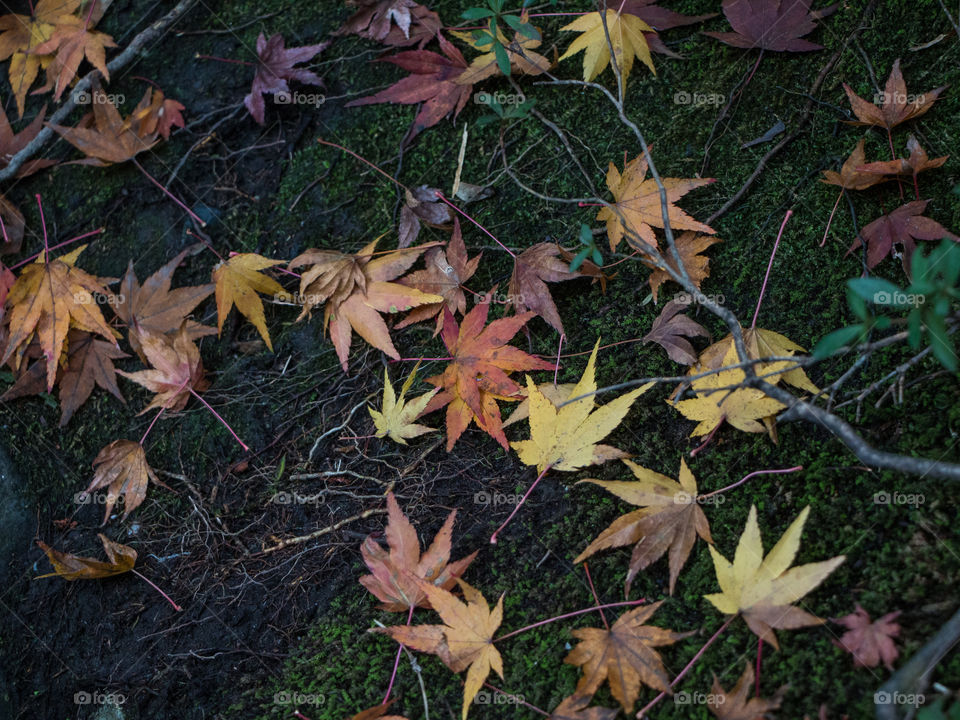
point(275, 68)
point(89, 363)
point(739, 704)
point(121, 467)
point(894, 108)
point(777, 25)
point(120, 559)
point(532, 270)
point(671, 329)
point(176, 370)
point(870, 643)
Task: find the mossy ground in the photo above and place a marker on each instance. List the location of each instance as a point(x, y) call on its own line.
point(897, 556)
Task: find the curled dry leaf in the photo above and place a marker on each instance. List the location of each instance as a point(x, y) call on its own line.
point(121, 467)
point(671, 329)
point(120, 559)
point(851, 175)
point(575, 707)
point(670, 519)
point(910, 166)
point(870, 643)
point(396, 575)
point(421, 205)
point(739, 703)
point(763, 589)
point(532, 270)
point(157, 114)
point(375, 18)
point(689, 246)
point(176, 370)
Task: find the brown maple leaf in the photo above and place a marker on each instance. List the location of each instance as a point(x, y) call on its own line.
point(47, 299)
point(432, 81)
point(902, 228)
point(155, 308)
point(738, 703)
point(670, 331)
point(122, 468)
point(355, 289)
point(894, 107)
point(670, 519)
point(624, 656)
point(89, 364)
point(870, 643)
point(375, 18)
point(275, 68)
point(910, 166)
point(445, 275)
point(689, 246)
point(73, 39)
point(478, 373)
point(377, 713)
point(575, 707)
point(176, 370)
point(423, 204)
point(11, 143)
point(396, 575)
point(425, 25)
point(157, 114)
point(120, 559)
point(13, 228)
point(637, 208)
point(111, 140)
point(777, 25)
point(532, 270)
point(851, 175)
point(660, 18)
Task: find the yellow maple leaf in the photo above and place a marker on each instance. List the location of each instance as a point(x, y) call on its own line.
point(520, 52)
point(760, 344)
point(238, 281)
point(465, 640)
point(396, 416)
point(565, 438)
point(741, 407)
point(626, 37)
point(763, 589)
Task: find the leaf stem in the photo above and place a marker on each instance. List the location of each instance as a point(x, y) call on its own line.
point(396, 662)
point(58, 245)
point(154, 586)
point(493, 538)
point(43, 223)
point(387, 175)
point(766, 277)
point(217, 416)
point(565, 616)
point(830, 219)
point(468, 217)
point(596, 598)
point(742, 480)
point(188, 211)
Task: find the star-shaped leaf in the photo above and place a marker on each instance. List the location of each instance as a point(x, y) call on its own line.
point(238, 280)
point(911, 166)
point(851, 175)
point(777, 25)
point(71, 41)
point(396, 416)
point(689, 246)
point(176, 370)
point(375, 18)
point(870, 643)
point(739, 703)
point(671, 329)
point(275, 68)
point(638, 202)
point(567, 438)
point(122, 468)
point(669, 520)
point(89, 364)
point(532, 270)
point(624, 656)
point(763, 589)
point(894, 108)
point(519, 51)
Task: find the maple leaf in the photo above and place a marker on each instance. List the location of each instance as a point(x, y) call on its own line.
point(445, 274)
point(870, 643)
point(763, 589)
point(851, 175)
point(396, 416)
point(670, 331)
point(627, 37)
point(465, 640)
point(20, 35)
point(566, 438)
point(375, 18)
point(901, 227)
point(14, 226)
point(157, 114)
point(89, 363)
point(398, 576)
point(422, 204)
point(177, 369)
point(112, 140)
point(777, 25)
point(425, 25)
point(122, 468)
point(377, 713)
point(355, 289)
point(669, 520)
point(478, 372)
point(154, 308)
point(11, 143)
point(638, 202)
point(575, 707)
point(739, 704)
point(623, 656)
point(532, 270)
point(120, 559)
point(238, 281)
point(741, 407)
point(894, 108)
point(689, 245)
point(71, 41)
point(660, 18)
point(557, 394)
point(519, 51)
point(432, 82)
point(47, 299)
point(275, 68)
point(913, 165)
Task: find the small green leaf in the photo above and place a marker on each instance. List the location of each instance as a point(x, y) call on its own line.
point(578, 259)
point(503, 60)
point(476, 13)
point(832, 342)
point(874, 289)
point(941, 343)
